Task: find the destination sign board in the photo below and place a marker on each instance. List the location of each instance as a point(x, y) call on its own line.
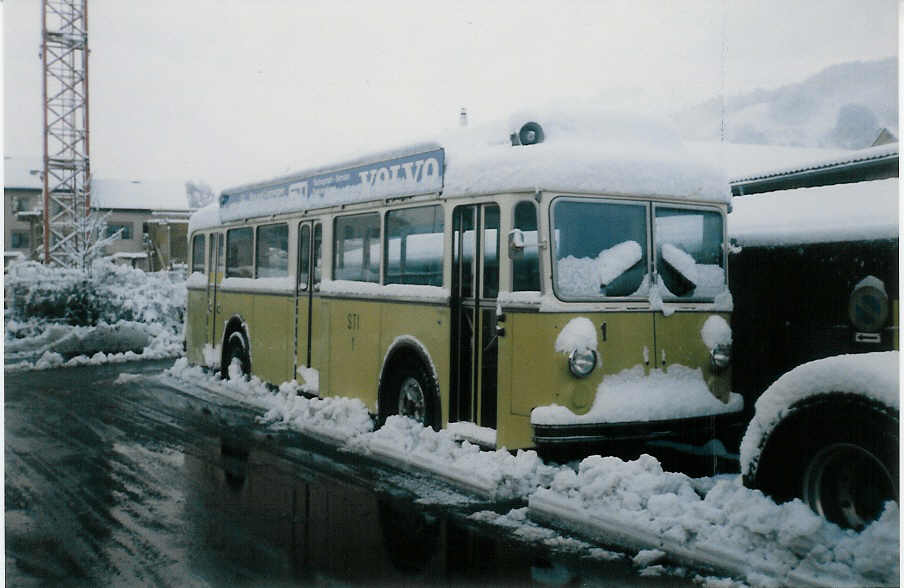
point(408, 175)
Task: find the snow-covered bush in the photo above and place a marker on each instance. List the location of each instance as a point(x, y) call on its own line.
point(103, 293)
point(103, 309)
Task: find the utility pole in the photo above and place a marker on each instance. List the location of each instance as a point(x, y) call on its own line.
point(67, 172)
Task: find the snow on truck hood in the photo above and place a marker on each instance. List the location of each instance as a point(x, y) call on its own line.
point(584, 150)
point(873, 375)
point(840, 212)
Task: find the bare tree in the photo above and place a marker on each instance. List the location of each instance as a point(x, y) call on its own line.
point(199, 193)
point(88, 240)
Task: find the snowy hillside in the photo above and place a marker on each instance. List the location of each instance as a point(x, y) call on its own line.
point(844, 106)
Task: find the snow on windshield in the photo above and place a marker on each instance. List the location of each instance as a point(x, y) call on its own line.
point(590, 277)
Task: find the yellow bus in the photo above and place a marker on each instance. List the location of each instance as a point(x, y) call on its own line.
point(557, 282)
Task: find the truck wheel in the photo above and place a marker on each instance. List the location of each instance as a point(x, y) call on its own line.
point(410, 391)
point(236, 348)
point(839, 457)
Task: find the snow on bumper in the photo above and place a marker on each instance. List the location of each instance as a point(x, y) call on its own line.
point(633, 404)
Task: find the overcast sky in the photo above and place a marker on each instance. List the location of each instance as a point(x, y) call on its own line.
point(230, 91)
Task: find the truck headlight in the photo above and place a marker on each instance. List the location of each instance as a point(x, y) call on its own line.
point(581, 362)
point(720, 358)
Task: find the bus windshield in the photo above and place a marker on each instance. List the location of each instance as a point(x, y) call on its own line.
point(689, 253)
point(600, 250)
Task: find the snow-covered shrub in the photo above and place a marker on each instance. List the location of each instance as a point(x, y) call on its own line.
point(103, 293)
point(104, 309)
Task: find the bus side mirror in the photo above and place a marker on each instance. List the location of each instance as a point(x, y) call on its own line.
point(516, 243)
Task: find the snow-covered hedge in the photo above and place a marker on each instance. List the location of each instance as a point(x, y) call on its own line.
point(104, 293)
point(60, 314)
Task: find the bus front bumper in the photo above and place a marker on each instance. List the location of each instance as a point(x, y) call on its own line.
point(686, 430)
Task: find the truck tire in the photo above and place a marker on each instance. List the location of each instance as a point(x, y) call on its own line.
point(838, 454)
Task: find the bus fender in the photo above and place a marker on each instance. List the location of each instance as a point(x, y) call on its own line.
point(408, 346)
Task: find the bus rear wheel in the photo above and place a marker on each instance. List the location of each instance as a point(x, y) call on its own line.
point(236, 348)
point(411, 391)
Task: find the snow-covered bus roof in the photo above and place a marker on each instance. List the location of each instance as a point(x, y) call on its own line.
point(841, 212)
point(583, 150)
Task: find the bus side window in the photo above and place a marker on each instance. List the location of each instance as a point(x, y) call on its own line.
point(304, 256)
point(318, 239)
point(238, 253)
point(526, 265)
point(414, 246)
point(356, 252)
point(197, 254)
point(273, 251)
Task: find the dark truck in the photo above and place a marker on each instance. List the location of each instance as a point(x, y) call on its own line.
point(814, 277)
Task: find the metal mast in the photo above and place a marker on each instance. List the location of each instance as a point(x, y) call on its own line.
point(67, 173)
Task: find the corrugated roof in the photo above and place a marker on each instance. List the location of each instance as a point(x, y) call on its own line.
point(887, 151)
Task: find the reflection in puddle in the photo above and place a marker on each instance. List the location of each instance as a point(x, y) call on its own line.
point(265, 518)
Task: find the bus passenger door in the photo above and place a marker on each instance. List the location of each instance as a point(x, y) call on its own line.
point(475, 285)
point(307, 275)
point(214, 275)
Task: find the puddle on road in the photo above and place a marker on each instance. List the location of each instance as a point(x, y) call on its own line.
point(265, 518)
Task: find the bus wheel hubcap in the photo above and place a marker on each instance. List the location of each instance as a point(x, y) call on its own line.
point(411, 399)
point(847, 484)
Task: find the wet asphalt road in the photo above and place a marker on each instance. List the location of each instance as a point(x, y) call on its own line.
point(141, 483)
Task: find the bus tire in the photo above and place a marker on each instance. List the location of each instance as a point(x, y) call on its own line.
point(410, 390)
point(839, 455)
point(236, 347)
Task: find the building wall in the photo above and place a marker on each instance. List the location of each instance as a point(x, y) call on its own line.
point(167, 235)
point(20, 200)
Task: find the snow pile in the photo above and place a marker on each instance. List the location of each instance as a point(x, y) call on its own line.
point(498, 475)
point(579, 333)
point(587, 277)
point(464, 430)
point(716, 331)
point(874, 375)
point(106, 313)
point(334, 419)
point(729, 527)
point(401, 441)
point(632, 395)
point(681, 261)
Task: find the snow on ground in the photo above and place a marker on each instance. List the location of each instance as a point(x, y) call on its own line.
point(104, 314)
point(729, 527)
point(665, 519)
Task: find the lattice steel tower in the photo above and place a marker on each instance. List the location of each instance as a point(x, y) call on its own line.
point(67, 173)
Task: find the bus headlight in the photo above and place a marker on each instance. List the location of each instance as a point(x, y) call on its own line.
point(720, 358)
point(581, 362)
